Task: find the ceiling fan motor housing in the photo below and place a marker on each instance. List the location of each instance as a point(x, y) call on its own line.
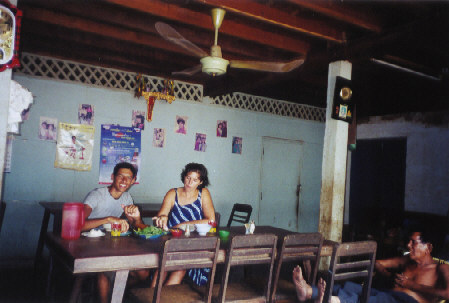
point(214, 66)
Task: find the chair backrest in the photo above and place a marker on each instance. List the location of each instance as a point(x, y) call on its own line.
point(240, 213)
point(249, 249)
point(217, 218)
point(302, 247)
point(352, 260)
point(185, 253)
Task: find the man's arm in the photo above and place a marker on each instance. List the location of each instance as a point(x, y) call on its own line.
point(94, 223)
point(440, 290)
point(384, 266)
point(132, 213)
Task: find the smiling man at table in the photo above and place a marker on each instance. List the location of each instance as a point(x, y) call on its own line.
point(108, 205)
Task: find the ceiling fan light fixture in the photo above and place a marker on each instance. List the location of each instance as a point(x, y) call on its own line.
point(214, 66)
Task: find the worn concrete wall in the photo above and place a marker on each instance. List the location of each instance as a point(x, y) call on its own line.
point(234, 178)
point(427, 174)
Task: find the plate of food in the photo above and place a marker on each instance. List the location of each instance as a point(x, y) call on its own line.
point(93, 233)
point(150, 232)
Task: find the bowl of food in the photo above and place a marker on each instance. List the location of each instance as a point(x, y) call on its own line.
point(202, 229)
point(176, 232)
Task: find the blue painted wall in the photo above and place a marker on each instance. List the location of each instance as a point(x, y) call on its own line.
point(234, 178)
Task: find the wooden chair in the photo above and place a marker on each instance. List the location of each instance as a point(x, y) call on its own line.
point(301, 247)
point(352, 260)
point(217, 218)
point(247, 250)
point(240, 213)
point(182, 254)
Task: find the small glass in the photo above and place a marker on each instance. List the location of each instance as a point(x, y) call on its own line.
point(116, 229)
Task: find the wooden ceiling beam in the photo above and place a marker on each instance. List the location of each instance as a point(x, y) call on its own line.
point(88, 26)
point(114, 15)
point(229, 27)
point(257, 11)
point(138, 52)
point(338, 11)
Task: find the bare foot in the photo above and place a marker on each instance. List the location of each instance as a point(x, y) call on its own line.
point(321, 288)
point(303, 290)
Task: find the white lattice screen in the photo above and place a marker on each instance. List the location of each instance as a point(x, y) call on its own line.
point(51, 68)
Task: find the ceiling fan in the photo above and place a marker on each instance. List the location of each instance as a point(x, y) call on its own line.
point(214, 64)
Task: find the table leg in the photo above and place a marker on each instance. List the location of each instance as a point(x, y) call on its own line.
point(121, 276)
point(49, 291)
point(40, 243)
point(76, 289)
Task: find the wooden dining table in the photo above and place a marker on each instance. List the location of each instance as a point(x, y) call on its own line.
point(55, 209)
point(122, 254)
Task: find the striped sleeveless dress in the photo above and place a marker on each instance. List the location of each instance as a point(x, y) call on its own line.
point(184, 213)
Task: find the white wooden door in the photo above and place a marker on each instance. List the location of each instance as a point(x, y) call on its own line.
point(280, 183)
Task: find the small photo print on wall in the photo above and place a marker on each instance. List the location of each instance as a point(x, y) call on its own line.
point(200, 142)
point(159, 137)
point(86, 114)
point(48, 128)
point(236, 145)
point(138, 119)
point(181, 124)
point(222, 128)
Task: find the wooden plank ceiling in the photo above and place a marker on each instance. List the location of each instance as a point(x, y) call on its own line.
point(399, 49)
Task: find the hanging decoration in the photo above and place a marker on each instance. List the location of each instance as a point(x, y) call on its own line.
point(10, 23)
point(167, 93)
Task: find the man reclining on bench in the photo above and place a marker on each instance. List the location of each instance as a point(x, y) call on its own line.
point(421, 279)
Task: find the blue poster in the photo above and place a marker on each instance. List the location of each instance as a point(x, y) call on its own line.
point(118, 144)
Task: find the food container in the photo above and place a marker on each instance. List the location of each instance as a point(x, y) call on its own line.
point(202, 229)
point(176, 232)
point(223, 234)
point(107, 227)
point(116, 229)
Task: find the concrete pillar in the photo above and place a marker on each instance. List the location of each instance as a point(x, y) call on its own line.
point(335, 150)
point(5, 79)
point(5, 84)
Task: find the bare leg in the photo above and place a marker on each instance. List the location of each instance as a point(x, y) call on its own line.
point(175, 277)
point(303, 290)
point(103, 288)
point(321, 288)
point(154, 279)
point(137, 275)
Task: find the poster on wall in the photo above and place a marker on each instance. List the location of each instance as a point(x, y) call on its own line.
point(86, 114)
point(237, 145)
point(159, 137)
point(138, 119)
point(74, 146)
point(181, 125)
point(118, 144)
point(200, 142)
point(222, 128)
point(47, 128)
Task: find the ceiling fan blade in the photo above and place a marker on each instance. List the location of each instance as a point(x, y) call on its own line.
point(170, 34)
point(274, 67)
point(188, 72)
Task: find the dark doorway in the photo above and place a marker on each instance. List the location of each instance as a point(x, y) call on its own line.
point(376, 200)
